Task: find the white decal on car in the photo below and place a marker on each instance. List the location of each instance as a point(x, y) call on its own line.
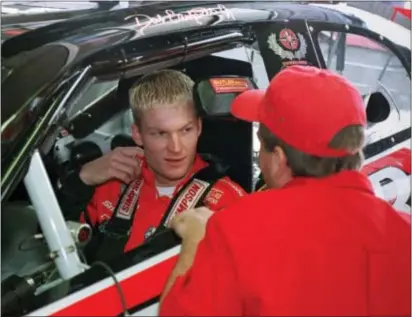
point(144, 21)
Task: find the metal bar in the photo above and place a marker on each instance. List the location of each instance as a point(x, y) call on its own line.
point(309, 32)
point(138, 64)
point(51, 220)
point(388, 61)
point(69, 94)
point(41, 129)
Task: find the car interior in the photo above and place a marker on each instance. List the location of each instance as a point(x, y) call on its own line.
point(223, 137)
point(234, 150)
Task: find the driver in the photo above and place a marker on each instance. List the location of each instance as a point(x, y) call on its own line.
point(167, 126)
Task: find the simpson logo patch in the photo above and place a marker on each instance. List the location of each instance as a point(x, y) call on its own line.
point(129, 200)
point(229, 85)
point(188, 198)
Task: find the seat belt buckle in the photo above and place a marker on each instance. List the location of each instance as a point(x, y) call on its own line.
point(112, 231)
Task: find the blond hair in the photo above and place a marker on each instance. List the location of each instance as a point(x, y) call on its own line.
point(160, 88)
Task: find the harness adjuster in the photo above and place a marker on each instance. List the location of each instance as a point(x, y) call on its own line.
point(114, 233)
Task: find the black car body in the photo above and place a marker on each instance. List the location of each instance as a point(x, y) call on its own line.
point(65, 85)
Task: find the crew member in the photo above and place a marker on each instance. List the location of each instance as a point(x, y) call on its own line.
point(167, 126)
point(318, 242)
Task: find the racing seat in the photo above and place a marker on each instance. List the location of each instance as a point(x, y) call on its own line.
point(223, 136)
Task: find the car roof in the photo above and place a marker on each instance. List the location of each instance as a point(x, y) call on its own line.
point(88, 25)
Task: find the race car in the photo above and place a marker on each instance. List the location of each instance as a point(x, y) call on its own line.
point(65, 102)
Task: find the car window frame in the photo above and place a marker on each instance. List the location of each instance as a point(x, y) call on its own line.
point(394, 137)
point(346, 28)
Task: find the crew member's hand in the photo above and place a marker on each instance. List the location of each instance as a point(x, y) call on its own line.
point(123, 163)
point(191, 224)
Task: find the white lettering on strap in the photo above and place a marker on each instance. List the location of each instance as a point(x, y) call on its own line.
point(129, 200)
point(188, 198)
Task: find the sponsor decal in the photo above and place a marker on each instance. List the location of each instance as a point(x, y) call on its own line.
point(14, 32)
point(229, 85)
point(214, 196)
point(288, 44)
point(288, 39)
point(104, 217)
point(291, 63)
point(198, 14)
point(390, 177)
point(129, 200)
point(188, 198)
point(108, 205)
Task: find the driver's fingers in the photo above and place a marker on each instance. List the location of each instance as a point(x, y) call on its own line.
point(126, 160)
point(204, 212)
point(177, 224)
point(131, 151)
point(131, 163)
point(122, 176)
point(122, 171)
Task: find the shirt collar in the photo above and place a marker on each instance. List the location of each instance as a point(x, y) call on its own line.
point(345, 179)
point(149, 178)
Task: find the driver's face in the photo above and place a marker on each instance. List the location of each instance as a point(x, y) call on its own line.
point(169, 136)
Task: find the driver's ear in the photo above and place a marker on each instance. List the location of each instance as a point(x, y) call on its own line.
point(199, 126)
point(136, 135)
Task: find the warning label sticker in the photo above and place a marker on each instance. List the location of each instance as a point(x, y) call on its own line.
point(229, 85)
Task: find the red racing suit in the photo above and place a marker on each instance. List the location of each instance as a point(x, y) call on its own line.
point(151, 207)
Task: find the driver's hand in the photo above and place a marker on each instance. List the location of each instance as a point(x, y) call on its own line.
point(191, 224)
point(123, 163)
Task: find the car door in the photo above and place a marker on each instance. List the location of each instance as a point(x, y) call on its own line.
point(373, 64)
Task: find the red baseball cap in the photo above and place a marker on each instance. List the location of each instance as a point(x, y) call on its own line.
point(305, 107)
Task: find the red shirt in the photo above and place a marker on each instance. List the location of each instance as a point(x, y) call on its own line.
point(151, 206)
point(320, 247)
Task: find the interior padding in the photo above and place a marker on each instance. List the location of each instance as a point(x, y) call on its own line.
point(230, 140)
point(223, 135)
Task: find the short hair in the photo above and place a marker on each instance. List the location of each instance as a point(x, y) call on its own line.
point(160, 88)
point(350, 138)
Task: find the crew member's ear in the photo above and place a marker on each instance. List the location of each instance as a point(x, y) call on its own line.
point(136, 135)
point(279, 156)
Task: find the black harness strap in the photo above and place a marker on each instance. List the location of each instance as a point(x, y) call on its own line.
point(112, 235)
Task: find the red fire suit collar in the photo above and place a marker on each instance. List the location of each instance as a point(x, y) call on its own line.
point(149, 177)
